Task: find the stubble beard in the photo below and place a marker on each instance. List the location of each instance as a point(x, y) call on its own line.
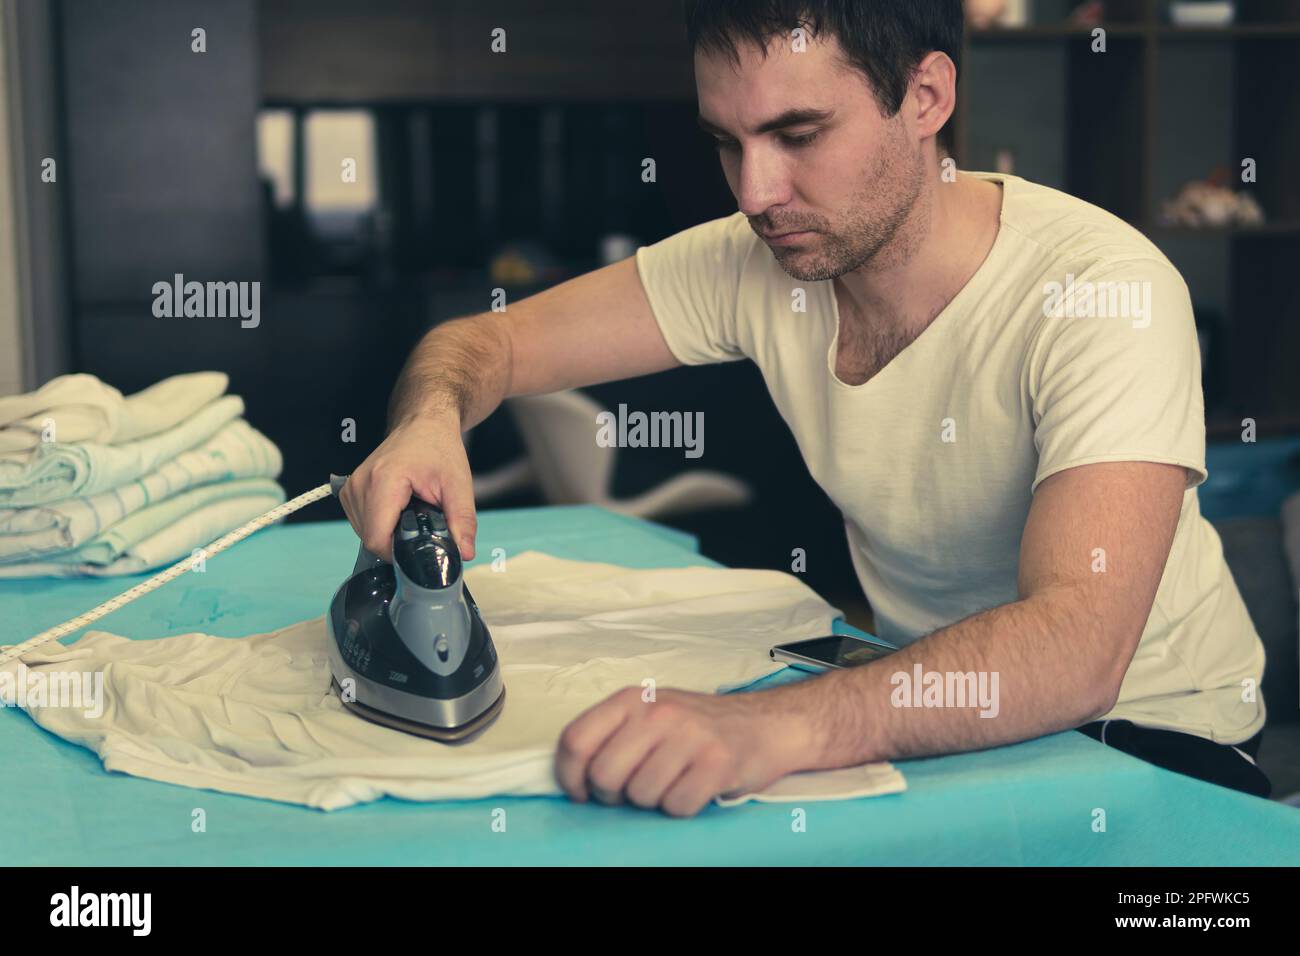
point(869, 234)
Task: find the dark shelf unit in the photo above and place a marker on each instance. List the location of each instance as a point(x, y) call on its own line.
point(1256, 351)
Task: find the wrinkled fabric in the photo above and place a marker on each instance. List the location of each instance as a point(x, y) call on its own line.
point(56, 470)
point(255, 715)
point(237, 451)
point(161, 534)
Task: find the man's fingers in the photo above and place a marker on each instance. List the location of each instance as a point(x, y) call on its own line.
point(458, 505)
point(662, 768)
point(610, 770)
point(350, 507)
point(697, 786)
point(582, 740)
point(384, 501)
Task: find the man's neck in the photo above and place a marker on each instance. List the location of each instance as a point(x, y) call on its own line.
point(933, 255)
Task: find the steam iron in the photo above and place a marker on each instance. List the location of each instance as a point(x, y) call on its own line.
point(409, 649)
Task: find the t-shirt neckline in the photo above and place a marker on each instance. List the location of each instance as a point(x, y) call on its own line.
point(953, 306)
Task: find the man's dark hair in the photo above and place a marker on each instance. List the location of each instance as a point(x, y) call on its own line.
point(883, 39)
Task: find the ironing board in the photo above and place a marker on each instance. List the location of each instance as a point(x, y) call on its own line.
point(1032, 803)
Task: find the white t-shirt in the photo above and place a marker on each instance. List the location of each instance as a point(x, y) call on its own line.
point(934, 460)
point(255, 715)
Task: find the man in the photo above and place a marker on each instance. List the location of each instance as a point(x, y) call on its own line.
point(997, 384)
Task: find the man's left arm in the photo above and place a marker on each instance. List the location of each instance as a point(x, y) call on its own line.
point(1060, 652)
point(1091, 558)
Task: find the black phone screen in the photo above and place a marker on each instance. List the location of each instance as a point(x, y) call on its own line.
point(839, 651)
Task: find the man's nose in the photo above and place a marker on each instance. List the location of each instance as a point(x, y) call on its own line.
point(763, 183)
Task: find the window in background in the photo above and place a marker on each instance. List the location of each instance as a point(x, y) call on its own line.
point(275, 155)
point(442, 188)
point(341, 192)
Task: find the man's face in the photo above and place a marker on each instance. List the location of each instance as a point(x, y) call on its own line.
point(807, 152)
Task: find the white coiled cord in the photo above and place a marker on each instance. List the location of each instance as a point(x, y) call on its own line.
point(175, 571)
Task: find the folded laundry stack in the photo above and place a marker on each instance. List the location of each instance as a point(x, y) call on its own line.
point(96, 483)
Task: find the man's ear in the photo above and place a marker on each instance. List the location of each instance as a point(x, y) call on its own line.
point(933, 93)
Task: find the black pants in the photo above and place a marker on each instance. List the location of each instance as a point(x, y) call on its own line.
point(1193, 756)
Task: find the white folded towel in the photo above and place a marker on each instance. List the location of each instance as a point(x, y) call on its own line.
point(237, 451)
point(161, 534)
point(53, 471)
point(80, 407)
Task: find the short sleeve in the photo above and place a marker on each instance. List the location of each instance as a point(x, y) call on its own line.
point(692, 280)
point(1115, 371)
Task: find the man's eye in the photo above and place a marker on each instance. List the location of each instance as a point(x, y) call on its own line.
point(724, 145)
point(804, 140)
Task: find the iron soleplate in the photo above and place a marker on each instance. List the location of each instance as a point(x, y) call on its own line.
point(445, 735)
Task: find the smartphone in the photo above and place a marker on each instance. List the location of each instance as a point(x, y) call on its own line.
point(820, 654)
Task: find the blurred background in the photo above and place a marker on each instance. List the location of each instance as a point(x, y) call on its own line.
point(518, 170)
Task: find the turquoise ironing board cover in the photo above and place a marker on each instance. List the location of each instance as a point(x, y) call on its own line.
point(1032, 803)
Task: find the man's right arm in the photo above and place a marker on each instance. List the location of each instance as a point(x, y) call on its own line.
point(598, 327)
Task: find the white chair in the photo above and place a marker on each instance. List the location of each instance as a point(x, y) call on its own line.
point(559, 432)
point(515, 476)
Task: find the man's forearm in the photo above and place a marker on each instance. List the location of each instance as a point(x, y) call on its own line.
point(1055, 670)
point(461, 368)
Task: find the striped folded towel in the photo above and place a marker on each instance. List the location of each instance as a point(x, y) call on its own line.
point(56, 470)
point(237, 451)
point(161, 534)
